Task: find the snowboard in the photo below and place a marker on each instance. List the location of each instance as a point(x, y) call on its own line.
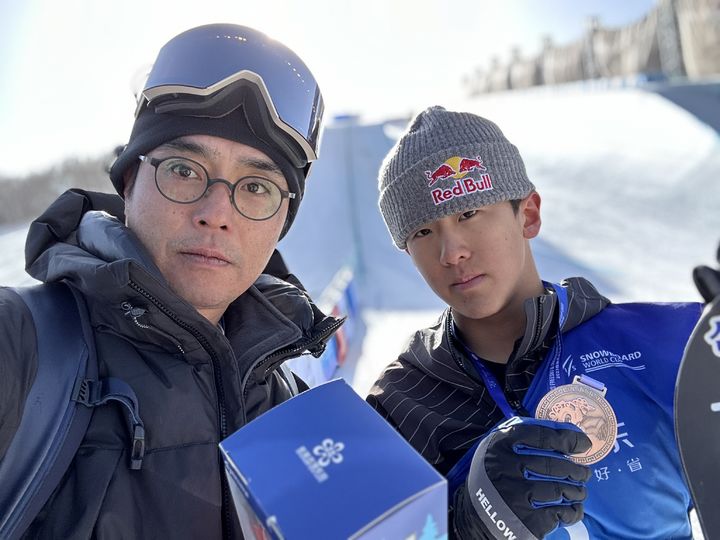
point(697, 417)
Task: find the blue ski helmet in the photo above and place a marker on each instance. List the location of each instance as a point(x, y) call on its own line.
point(233, 82)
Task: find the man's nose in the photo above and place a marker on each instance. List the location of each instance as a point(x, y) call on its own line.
point(215, 208)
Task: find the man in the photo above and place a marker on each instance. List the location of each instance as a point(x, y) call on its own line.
point(455, 196)
point(212, 176)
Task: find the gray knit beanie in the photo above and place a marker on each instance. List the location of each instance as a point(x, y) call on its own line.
point(447, 163)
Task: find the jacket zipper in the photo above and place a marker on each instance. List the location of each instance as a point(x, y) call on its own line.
point(538, 322)
point(448, 336)
point(222, 414)
point(135, 313)
point(287, 352)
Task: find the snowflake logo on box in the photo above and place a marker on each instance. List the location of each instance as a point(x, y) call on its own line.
point(329, 451)
point(322, 455)
point(712, 336)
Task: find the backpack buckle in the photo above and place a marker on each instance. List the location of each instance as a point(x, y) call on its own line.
point(137, 451)
point(87, 392)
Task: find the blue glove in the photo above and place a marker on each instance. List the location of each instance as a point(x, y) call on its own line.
point(521, 483)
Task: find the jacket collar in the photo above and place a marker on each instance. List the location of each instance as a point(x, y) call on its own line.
point(434, 351)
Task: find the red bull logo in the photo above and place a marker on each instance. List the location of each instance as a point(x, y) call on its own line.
point(455, 167)
point(458, 168)
point(462, 187)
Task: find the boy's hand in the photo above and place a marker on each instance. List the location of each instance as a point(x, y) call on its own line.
point(521, 481)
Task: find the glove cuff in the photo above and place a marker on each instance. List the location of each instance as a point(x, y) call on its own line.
point(490, 507)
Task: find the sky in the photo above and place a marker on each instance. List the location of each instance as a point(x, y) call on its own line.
point(68, 69)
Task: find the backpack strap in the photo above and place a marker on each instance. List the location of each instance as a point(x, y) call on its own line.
point(92, 393)
point(58, 407)
point(52, 426)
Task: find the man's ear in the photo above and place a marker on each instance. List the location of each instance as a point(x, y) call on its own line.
point(530, 212)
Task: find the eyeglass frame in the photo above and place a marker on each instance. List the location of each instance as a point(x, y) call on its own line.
point(155, 162)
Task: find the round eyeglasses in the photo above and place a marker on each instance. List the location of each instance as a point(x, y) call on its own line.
point(185, 181)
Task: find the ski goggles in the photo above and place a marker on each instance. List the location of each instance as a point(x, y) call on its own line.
point(211, 70)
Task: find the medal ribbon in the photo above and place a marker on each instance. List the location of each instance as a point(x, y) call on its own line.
point(491, 382)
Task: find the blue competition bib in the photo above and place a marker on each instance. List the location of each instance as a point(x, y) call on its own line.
point(637, 491)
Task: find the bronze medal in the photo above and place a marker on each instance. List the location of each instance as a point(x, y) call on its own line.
point(586, 407)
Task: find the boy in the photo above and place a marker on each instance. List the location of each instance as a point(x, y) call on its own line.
point(455, 196)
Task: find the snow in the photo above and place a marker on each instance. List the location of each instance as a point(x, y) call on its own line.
point(628, 180)
point(12, 259)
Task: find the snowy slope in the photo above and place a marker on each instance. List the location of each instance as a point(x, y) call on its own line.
point(629, 181)
point(12, 258)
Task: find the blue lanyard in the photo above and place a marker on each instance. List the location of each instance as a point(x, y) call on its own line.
point(491, 383)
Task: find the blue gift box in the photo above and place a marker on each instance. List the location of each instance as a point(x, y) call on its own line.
point(325, 465)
